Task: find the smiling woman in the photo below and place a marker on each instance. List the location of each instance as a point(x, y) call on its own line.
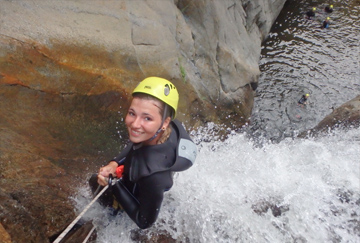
point(158, 147)
point(143, 120)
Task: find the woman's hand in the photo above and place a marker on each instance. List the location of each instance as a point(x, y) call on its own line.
point(105, 171)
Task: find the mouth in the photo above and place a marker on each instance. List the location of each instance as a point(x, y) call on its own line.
point(135, 132)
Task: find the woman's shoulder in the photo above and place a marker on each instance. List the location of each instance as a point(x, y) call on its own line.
point(153, 159)
point(186, 150)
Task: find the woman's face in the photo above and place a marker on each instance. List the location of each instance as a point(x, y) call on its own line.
point(143, 120)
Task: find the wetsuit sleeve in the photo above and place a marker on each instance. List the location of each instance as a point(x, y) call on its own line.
point(144, 209)
point(302, 100)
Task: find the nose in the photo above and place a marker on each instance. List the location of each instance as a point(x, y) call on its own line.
point(136, 123)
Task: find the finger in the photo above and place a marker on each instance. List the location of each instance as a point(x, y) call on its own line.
point(102, 183)
point(104, 173)
point(102, 180)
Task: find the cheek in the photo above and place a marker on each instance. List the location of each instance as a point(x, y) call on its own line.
point(127, 120)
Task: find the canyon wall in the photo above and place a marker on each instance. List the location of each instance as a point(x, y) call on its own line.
point(67, 69)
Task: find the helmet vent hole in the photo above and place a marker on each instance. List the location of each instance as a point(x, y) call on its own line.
point(167, 90)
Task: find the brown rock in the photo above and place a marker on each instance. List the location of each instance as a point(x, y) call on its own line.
point(210, 50)
point(4, 236)
point(347, 115)
point(67, 69)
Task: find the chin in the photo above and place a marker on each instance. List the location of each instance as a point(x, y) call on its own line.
point(135, 140)
point(138, 139)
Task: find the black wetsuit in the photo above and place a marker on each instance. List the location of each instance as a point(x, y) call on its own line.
point(325, 24)
point(302, 100)
point(310, 14)
point(328, 9)
point(148, 173)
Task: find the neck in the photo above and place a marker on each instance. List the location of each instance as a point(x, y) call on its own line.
point(153, 140)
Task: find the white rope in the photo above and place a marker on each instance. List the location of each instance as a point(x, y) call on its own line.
point(88, 236)
point(62, 235)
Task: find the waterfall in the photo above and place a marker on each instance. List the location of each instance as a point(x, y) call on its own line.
point(298, 190)
point(265, 184)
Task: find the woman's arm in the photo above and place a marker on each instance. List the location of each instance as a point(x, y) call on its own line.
point(144, 207)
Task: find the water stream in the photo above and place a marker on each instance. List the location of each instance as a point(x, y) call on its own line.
point(288, 189)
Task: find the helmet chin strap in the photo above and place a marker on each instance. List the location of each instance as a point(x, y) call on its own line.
point(162, 123)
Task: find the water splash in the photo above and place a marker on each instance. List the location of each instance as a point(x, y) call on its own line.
point(294, 190)
point(303, 190)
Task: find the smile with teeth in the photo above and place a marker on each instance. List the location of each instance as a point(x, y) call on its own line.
point(136, 132)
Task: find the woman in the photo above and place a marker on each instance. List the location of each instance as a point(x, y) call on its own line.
point(158, 147)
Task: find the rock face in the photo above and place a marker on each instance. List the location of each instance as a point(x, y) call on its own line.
point(210, 49)
point(67, 69)
point(347, 115)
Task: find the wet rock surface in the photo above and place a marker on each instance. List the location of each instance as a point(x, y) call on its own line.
point(66, 72)
point(45, 154)
point(344, 116)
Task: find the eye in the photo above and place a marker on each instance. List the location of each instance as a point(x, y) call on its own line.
point(148, 119)
point(130, 113)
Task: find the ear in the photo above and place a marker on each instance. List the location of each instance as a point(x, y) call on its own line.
point(166, 122)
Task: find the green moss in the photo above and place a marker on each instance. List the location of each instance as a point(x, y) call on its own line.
point(182, 71)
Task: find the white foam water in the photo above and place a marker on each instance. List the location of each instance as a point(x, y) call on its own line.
point(298, 190)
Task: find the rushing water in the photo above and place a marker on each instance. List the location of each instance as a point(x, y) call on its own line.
point(287, 190)
point(224, 197)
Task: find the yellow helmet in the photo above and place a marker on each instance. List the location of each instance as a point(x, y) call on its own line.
point(331, 6)
point(314, 9)
point(161, 89)
point(307, 95)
